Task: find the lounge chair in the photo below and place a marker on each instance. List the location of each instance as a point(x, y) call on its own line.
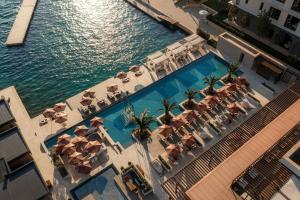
point(157, 166)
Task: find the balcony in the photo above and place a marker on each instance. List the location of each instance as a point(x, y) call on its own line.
point(291, 22)
point(296, 5)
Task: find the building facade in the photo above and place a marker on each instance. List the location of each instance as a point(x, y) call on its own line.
point(285, 17)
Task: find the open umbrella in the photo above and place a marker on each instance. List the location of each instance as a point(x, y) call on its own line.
point(93, 146)
point(75, 158)
point(58, 148)
point(79, 140)
point(173, 150)
point(121, 75)
point(68, 148)
point(49, 113)
point(189, 115)
point(86, 101)
point(233, 108)
point(210, 100)
point(59, 107)
point(89, 93)
point(61, 119)
point(165, 130)
point(134, 68)
point(188, 140)
point(96, 122)
point(112, 87)
point(201, 107)
point(81, 130)
point(231, 87)
point(242, 81)
point(85, 167)
point(64, 139)
point(178, 122)
point(222, 93)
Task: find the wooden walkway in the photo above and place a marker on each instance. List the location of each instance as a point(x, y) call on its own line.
point(177, 185)
point(21, 25)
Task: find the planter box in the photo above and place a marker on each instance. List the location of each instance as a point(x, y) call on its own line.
point(160, 118)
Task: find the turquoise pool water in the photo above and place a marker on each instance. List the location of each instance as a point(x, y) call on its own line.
point(72, 45)
point(171, 87)
point(101, 186)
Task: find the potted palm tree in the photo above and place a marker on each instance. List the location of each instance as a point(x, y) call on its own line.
point(230, 71)
point(167, 107)
point(143, 123)
point(190, 94)
point(210, 81)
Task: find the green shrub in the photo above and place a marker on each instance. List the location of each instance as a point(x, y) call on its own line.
point(243, 20)
point(232, 12)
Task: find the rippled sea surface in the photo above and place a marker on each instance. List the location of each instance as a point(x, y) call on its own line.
point(74, 44)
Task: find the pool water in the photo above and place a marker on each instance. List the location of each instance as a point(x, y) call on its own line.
point(72, 45)
point(171, 87)
point(101, 187)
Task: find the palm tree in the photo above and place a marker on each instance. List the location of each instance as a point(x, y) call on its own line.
point(168, 107)
point(190, 93)
point(231, 70)
point(143, 123)
point(211, 81)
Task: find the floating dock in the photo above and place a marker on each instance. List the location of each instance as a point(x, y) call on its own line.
point(20, 27)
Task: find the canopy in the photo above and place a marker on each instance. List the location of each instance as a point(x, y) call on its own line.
point(81, 130)
point(59, 107)
point(93, 146)
point(96, 121)
point(165, 130)
point(49, 113)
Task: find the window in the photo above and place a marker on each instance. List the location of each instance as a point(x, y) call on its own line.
point(291, 22)
point(296, 5)
point(261, 6)
point(241, 58)
point(281, 1)
point(246, 1)
point(274, 13)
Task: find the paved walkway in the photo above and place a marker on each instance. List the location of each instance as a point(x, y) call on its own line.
point(216, 185)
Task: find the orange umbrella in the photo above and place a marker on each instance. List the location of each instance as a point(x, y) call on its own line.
point(89, 93)
point(165, 130)
point(96, 122)
point(201, 107)
point(58, 148)
point(78, 140)
point(85, 167)
point(81, 130)
point(59, 107)
point(189, 115)
point(242, 81)
point(231, 87)
point(210, 100)
point(178, 122)
point(233, 108)
point(49, 113)
point(188, 140)
point(121, 75)
point(86, 101)
point(134, 68)
point(222, 93)
point(173, 150)
point(61, 119)
point(64, 139)
point(69, 148)
point(75, 158)
point(112, 88)
point(93, 146)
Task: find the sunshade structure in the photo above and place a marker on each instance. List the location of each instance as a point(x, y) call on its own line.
point(134, 68)
point(157, 61)
point(176, 50)
point(61, 119)
point(93, 146)
point(59, 107)
point(222, 93)
point(188, 140)
point(64, 139)
point(86, 101)
point(121, 75)
point(178, 122)
point(75, 158)
point(201, 107)
point(231, 87)
point(194, 41)
point(85, 167)
point(96, 122)
point(89, 93)
point(242, 81)
point(233, 108)
point(49, 113)
point(60, 114)
point(79, 140)
point(189, 115)
point(112, 87)
point(165, 130)
point(58, 148)
point(68, 149)
point(81, 130)
point(210, 100)
point(173, 150)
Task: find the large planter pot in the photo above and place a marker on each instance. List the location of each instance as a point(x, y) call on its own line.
point(184, 106)
point(143, 137)
point(161, 118)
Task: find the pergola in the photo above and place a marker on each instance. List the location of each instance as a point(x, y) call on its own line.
point(176, 50)
point(157, 61)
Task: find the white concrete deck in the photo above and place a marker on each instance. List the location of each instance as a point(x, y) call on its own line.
point(21, 25)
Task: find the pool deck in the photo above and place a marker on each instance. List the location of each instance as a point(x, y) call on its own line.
point(21, 24)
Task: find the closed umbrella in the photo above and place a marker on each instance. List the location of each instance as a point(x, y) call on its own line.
point(81, 130)
point(89, 93)
point(165, 130)
point(93, 146)
point(85, 167)
point(49, 113)
point(64, 139)
point(96, 122)
point(86, 101)
point(59, 107)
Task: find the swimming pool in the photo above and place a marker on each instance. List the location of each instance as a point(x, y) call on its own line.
point(73, 45)
point(101, 186)
point(171, 87)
